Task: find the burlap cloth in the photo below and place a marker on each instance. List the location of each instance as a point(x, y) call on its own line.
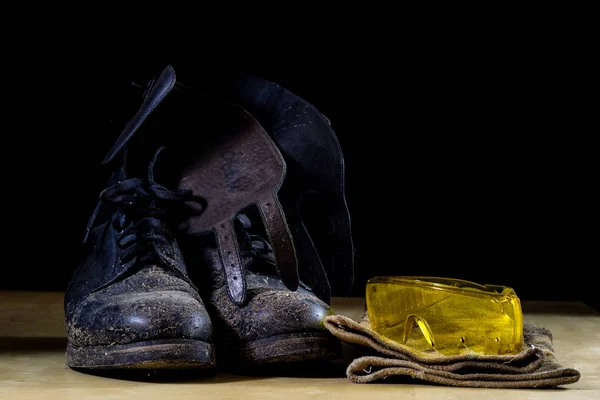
point(534, 367)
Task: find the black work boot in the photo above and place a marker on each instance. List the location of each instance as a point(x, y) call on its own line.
point(130, 303)
point(275, 326)
point(312, 195)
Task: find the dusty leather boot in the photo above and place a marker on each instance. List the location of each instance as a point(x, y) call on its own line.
point(312, 195)
point(275, 326)
point(130, 303)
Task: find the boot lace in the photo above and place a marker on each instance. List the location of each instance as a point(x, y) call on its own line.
point(142, 207)
point(254, 246)
point(257, 248)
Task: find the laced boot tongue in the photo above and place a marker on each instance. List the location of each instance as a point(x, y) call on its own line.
point(152, 235)
point(146, 240)
point(153, 239)
point(141, 218)
point(257, 249)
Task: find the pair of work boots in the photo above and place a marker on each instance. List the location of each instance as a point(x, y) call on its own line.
point(203, 245)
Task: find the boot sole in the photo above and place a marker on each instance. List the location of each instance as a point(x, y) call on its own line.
point(152, 354)
point(290, 348)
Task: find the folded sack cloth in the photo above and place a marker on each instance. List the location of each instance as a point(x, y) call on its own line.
point(534, 367)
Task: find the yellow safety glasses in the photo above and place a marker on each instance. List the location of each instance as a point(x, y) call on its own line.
point(448, 315)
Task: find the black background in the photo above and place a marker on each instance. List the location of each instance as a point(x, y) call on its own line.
point(471, 161)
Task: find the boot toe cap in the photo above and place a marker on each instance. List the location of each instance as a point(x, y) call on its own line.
point(134, 317)
point(279, 312)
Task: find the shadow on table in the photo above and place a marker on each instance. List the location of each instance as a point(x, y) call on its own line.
point(295, 370)
point(32, 345)
point(220, 375)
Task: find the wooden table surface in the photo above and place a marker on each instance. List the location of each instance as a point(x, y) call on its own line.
point(32, 363)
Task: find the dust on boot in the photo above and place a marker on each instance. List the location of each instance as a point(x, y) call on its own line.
point(130, 302)
point(274, 325)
